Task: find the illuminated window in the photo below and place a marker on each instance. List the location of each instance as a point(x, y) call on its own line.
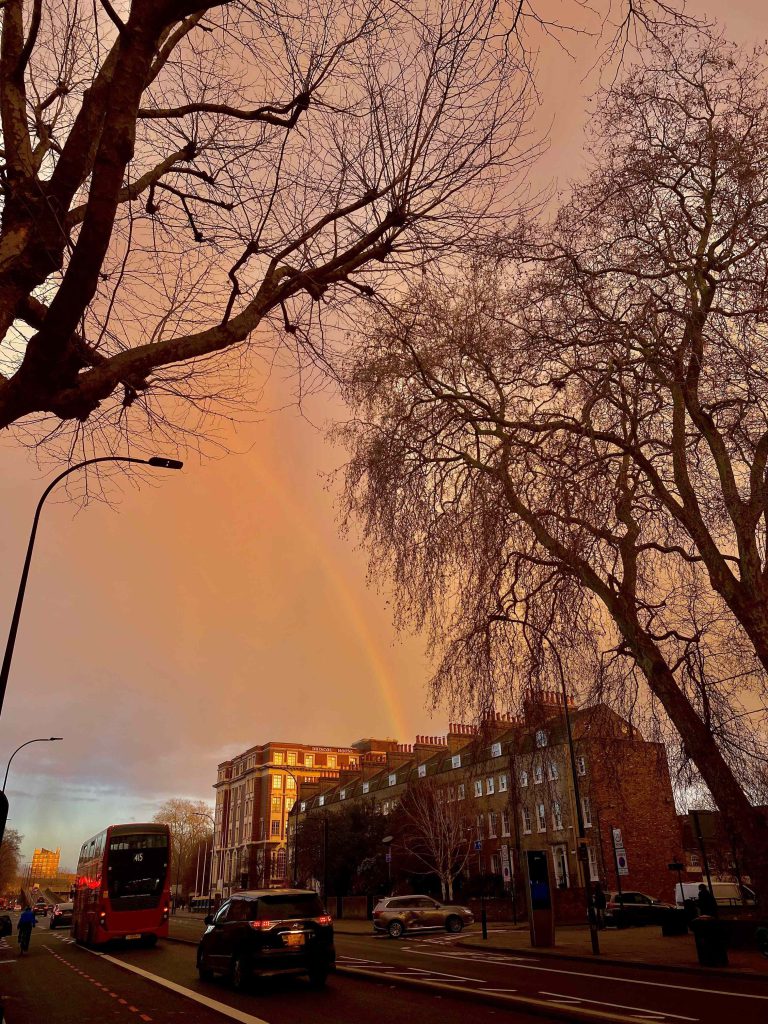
point(290, 782)
point(277, 757)
point(309, 760)
point(276, 803)
point(289, 802)
point(275, 827)
point(277, 782)
point(291, 757)
point(331, 760)
point(321, 801)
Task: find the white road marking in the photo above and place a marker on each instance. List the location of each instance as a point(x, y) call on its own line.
point(606, 977)
point(7, 961)
point(212, 1004)
point(617, 1006)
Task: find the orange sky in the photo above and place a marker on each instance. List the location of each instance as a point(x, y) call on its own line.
point(219, 607)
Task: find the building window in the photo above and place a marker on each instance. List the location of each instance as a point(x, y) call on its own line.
point(385, 808)
point(276, 804)
point(538, 775)
point(495, 864)
point(493, 823)
point(275, 827)
point(581, 765)
point(526, 820)
point(277, 757)
point(594, 873)
point(695, 862)
point(456, 761)
point(343, 794)
point(281, 861)
point(309, 760)
point(331, 760)
point(586, 810)
point(541, 738)
point(480, 826)
point(557, 817)
point(478, 787)
point(421, 771)
point(277, 782)
point(505, 823)
point(541, 818)
point(289, 802)
point(461, 791)
point(393, 779)
point(502, 783)
point(366, 787)
point(303, 805)
point(290, 782)
point(291, 757)
point(523, 779)
point(495, 750)
point(489, 787)
point(553, 772)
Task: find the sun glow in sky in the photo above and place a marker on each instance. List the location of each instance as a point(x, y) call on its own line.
point(212, 609)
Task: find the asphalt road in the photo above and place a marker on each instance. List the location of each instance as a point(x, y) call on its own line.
point(380, 981)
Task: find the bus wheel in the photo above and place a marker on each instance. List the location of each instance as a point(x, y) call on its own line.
point(149, 941)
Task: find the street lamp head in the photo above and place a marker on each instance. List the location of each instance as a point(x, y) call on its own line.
point(52, 739)
point(161, 463)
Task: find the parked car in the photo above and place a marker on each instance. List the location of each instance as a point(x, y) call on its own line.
point(634, 908)
point(40, 908)
point(727, 894)
point(398, 914)
point(268, 931)
point(61, 915)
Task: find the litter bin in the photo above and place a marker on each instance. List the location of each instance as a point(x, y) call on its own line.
point(674, 922)
point(711, 941)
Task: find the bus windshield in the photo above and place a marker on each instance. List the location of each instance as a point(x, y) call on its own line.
point(137, 865)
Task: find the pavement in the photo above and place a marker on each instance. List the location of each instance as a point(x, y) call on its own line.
point(638, 947)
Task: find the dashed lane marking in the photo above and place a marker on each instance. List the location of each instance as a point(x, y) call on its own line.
point(96, 984)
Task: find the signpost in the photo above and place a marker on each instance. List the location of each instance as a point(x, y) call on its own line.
point(541, 917)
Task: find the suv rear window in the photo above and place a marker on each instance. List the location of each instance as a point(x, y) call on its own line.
point(284, 907)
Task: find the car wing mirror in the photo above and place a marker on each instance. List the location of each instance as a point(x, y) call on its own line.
point(208, 919)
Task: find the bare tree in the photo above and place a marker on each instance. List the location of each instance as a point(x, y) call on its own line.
point(434, 832)
point(10, 859)
point(189, 825)
point(579, 449)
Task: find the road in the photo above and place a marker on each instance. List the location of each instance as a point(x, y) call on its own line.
point(380, 981)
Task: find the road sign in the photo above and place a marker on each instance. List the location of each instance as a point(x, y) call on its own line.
point(617, 840)
point(621, 861)
point(478, 845)
point(388, 857)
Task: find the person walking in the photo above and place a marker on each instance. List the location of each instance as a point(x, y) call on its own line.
point(27, 921)
point(706, 901)
point(599, 903)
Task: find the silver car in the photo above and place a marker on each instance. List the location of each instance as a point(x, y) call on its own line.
point(399, 914)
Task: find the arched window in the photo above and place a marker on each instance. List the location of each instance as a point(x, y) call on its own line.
point(281, 863)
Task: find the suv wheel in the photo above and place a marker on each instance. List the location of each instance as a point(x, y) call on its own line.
point(454, 924)
point(396, 929)
point(239, 973)
point(204, 973)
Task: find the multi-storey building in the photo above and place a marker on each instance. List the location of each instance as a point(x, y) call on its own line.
point(45, 864)
point(255, 792)
point(521, 789)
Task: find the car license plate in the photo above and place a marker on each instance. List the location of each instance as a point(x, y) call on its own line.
point(134, 935)
point(294, 938)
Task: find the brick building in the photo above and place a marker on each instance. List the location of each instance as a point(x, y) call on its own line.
point(255, 792)
point(45, 864)
point(515, 782)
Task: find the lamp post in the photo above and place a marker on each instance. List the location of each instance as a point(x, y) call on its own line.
point(205, 814)
point(41, 739)
point(294, 863)
point(387, 841)
point(156, 461)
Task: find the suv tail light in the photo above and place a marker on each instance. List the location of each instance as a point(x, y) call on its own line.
point(261, 925)
point(324, 919)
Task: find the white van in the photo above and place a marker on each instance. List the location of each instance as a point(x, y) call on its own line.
point(727, 894)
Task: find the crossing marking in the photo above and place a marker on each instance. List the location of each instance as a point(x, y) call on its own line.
point(562, 998)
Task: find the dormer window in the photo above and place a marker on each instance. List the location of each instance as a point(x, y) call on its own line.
point(456, 761)
point(393, 779)
point(422, 771)
point(495, 750)
point(541, 738)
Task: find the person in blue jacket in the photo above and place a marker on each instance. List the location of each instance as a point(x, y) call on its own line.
point(27, 922)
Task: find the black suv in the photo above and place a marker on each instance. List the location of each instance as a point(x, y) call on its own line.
point(268, 931)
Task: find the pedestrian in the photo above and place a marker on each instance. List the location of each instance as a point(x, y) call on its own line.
point(706, 901)
point(599, 903)
point(27, 922)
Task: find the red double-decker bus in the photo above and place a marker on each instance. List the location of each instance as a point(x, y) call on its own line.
point(123, 885)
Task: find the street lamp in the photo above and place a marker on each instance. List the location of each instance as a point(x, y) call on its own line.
point(42, 739)
point(205, 814)
point(295, 863)
point(156, 461)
